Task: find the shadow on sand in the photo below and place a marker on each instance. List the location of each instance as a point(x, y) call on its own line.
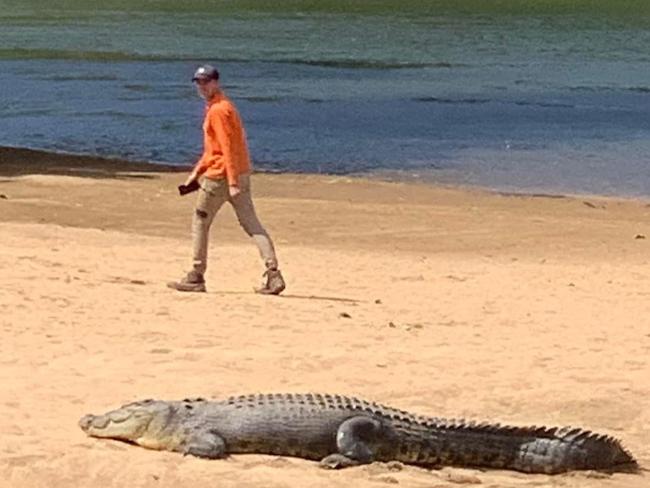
point(290, 296)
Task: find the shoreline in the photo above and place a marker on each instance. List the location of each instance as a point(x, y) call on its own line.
point(12, 163)
point(15, 161)
point(353, 212)
point(76, 191)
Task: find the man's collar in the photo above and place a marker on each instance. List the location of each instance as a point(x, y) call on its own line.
point(217, 98)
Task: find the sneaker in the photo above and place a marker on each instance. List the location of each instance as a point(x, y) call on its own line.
point(274, 283)
point(192, 282)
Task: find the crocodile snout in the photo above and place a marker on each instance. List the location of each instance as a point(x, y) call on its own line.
point(85, 422)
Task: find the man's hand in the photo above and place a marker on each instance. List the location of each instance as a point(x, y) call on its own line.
point(234, 190)
point(192, 177)
point(191, 184)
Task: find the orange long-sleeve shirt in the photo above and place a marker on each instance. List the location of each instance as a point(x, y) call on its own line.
point(225, 151)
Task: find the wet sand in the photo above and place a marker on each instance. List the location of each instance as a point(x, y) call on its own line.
point(448, 302)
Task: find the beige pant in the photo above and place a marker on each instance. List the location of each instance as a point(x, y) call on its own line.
point(212, 195)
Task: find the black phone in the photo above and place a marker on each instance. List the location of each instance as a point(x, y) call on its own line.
point(185, 189)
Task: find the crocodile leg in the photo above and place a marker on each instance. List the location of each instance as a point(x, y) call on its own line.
point(352, 440)
point(205, 444)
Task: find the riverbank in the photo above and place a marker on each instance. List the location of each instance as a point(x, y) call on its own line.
point(443, 301)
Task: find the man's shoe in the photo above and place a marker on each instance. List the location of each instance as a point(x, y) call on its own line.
point(274, 283)
point(192, 282)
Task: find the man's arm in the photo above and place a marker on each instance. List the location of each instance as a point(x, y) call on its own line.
point(224, 129)
point(194, 175)
point(204, 162)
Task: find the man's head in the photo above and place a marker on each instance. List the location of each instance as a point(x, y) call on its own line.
point(206, 78)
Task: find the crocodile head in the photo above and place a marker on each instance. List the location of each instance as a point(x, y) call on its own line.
point(142, 423)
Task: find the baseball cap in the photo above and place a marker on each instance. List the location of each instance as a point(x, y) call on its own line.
point(206, 72)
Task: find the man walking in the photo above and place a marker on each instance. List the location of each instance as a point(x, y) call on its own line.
point(225, 167)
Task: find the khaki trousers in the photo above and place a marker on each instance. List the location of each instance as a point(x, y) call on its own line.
point(212, 195)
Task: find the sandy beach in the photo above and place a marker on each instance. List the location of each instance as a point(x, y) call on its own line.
point(449, 302)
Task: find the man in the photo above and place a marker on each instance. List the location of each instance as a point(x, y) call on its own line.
point(225, 167)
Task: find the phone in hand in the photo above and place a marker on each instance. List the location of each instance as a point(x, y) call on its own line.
point(185, 189)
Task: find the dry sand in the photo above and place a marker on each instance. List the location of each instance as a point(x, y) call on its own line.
point(446, 302)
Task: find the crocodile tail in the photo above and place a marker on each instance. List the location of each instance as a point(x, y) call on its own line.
point(559, 450)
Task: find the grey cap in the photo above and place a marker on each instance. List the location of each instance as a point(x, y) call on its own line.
point(206, 72)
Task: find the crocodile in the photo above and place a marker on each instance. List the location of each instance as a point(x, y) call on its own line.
point(341, 431)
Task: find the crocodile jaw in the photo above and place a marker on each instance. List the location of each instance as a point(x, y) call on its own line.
point(118, 424)
point(148, 423)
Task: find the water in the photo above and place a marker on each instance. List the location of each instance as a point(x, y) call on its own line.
point(545, 97)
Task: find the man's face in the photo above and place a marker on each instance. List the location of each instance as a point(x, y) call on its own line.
point(207, 88)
